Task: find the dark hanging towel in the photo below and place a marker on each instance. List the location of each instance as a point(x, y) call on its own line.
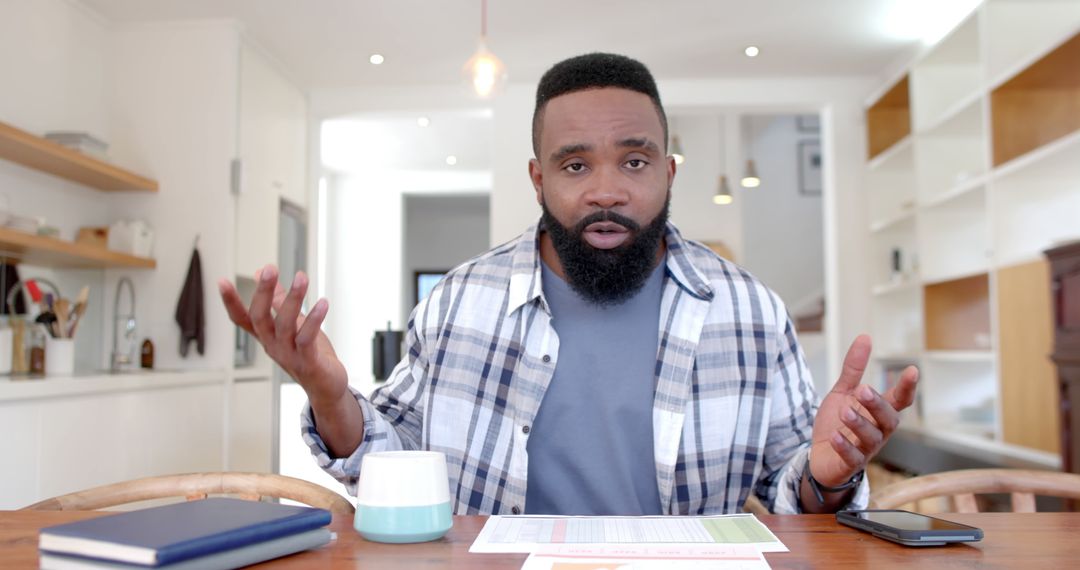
point(190, 314)
point(9, 278)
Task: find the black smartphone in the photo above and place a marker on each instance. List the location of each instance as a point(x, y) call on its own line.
point(910, 529)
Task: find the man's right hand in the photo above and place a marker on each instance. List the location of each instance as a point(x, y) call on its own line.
point(297, 344)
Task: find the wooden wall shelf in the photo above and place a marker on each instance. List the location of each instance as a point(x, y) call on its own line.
point(51, 252)
point(41, 154)
point(957, 313)
point(1041, 104)
point(888, 120)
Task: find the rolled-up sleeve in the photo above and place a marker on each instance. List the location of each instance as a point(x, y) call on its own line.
point(379, 435)
point(393, 417)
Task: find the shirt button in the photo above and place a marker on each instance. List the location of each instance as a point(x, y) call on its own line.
point(524, 429)
point(516, 510)
point(547, 358)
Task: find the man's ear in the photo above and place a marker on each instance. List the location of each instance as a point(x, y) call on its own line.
point(670, 171)
point(537, 177)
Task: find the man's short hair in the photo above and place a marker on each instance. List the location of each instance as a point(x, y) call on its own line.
point(594, 71)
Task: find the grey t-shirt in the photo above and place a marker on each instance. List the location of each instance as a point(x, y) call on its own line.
point(591, 445)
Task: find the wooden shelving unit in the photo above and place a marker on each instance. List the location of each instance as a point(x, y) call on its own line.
point(51, 252)
point(1025, 315)
point(990, 156)
point(957, 314)
point(1039, 105)
point(46, 156)
point(889, 119)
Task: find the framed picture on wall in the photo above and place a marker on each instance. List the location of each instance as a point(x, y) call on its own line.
point(810, 168)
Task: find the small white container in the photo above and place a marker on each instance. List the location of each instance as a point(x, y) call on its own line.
point(59, 356)
point(132, 237)
point(403, 496)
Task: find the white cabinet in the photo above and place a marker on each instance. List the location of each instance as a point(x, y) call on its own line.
point(250, 425)
point(273, 143)
point(972, 173)
point(70, 434)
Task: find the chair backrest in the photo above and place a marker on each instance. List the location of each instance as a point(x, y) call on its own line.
point(962, 486)
point(192, 486)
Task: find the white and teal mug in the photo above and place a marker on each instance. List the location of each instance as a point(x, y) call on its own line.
point(403, 496)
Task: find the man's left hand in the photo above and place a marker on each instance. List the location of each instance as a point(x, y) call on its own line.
point(854, 421)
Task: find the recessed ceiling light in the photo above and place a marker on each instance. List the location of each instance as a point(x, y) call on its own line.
point(451, 160)
point(423, 121)
point(376, 59)
point(751, 51)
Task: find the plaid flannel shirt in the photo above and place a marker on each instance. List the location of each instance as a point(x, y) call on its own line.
point(732, 414)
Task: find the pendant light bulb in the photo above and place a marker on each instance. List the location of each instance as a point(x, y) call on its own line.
point(750, 178)
point(484, 72)
point(723, 193)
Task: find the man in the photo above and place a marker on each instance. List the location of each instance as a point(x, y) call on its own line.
point(599, 363)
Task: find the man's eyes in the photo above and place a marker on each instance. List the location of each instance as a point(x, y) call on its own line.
point(632, 164)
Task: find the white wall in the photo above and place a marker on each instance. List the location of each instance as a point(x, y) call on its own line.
point(704, 138)
point(783, 234)
point(173, 112)
point(364, 283)
point(60, 84)
point(164, 97)
point(54, 65)
point(441, 232)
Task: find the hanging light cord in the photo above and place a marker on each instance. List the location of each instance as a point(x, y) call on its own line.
point(483, 18)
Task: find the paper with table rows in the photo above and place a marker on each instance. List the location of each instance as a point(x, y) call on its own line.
point(528, 533)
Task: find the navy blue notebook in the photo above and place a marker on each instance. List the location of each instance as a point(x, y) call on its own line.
point(172, 533)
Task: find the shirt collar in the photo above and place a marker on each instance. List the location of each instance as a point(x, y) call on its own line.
point(526, 283)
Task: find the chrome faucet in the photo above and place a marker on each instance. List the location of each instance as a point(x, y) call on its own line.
point(117, 358)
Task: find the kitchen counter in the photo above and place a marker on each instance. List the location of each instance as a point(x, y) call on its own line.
point(16, 389)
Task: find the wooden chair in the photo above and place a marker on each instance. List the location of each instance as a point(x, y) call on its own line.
point(754, 506)
point(962, 486)
point(193, 486)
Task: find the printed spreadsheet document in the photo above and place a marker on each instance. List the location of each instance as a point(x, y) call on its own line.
point(527, 533)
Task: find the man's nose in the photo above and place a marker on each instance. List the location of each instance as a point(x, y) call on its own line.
point(607, 189)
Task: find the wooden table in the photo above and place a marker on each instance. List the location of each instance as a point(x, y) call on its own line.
point(1030, 541)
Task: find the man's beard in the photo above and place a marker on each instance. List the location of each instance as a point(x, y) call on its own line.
point(607, 276)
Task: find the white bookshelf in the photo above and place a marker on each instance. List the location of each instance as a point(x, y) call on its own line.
point(890, 181)
point(985, 177)
point(954, 238)
point(952, 153)
point(1020, 32)
point(950, 73)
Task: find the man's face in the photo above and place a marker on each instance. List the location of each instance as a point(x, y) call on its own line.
point(603, 180)
point(602, 150)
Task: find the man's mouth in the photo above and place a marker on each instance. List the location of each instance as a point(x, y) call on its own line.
point(606, 235)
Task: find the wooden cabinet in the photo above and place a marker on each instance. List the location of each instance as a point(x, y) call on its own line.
point(1065, 292)
point(962, 201)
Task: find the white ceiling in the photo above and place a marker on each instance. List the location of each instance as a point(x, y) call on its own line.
point(326, 43)
point(394, 142)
